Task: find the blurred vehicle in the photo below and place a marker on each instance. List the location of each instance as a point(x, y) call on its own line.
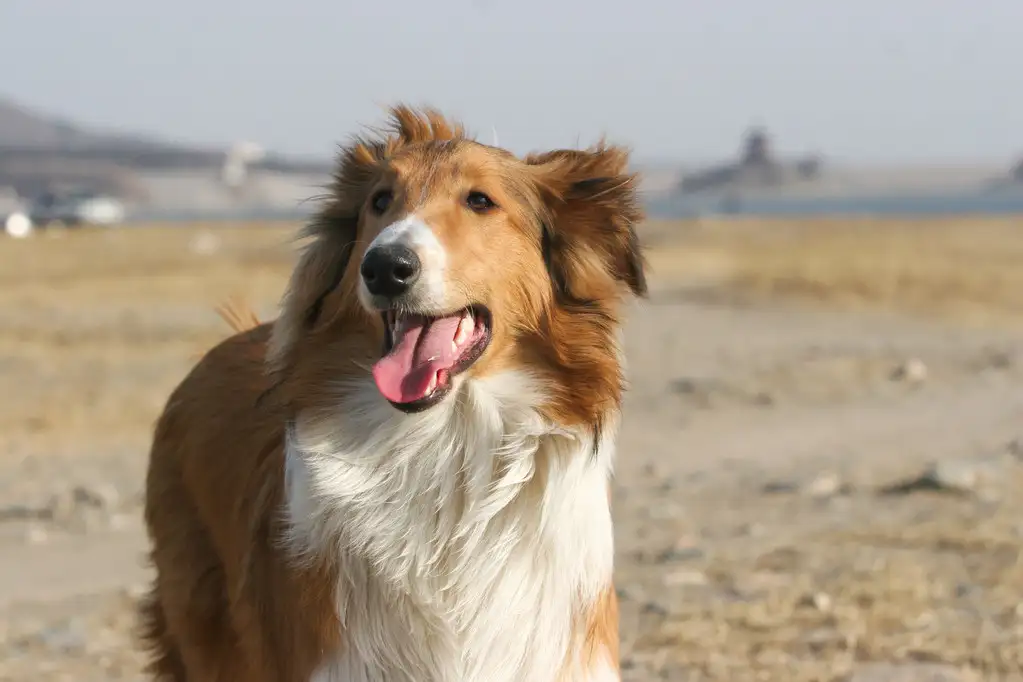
point(75, 208)
point(17, 225)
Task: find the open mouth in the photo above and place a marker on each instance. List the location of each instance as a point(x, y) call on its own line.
point(423, 354)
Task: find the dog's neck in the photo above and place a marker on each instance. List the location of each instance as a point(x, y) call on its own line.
point(471, 538)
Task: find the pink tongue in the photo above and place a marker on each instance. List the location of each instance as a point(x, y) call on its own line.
point(404, 374)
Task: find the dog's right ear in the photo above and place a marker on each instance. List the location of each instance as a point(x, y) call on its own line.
point(323, 264)
point(318, 274)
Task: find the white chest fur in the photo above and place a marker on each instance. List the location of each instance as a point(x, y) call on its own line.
point(472, 537)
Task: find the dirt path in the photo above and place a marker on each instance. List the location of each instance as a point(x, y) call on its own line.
point(751, 528)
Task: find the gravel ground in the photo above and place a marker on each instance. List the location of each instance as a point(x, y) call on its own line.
point(801, 494)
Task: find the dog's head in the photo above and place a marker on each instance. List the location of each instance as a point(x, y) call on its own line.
point(437, 259)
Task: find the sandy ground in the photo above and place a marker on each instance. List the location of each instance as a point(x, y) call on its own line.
point(803, 492)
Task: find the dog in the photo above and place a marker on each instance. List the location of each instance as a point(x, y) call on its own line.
point(405, 477)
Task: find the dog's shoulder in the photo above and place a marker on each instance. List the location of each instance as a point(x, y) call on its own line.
point(223, 423)
point(230, 380)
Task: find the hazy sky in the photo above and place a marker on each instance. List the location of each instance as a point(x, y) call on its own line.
point(859, 80)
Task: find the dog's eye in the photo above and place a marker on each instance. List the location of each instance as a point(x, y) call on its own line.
point(479, 202)
point(381, 201)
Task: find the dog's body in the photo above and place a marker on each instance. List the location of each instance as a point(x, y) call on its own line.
point(444, 516)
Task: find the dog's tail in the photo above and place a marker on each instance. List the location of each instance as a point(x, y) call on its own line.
point(238, 315)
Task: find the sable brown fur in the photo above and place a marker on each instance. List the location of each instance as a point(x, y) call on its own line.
point(231, 589)
point(229, 603)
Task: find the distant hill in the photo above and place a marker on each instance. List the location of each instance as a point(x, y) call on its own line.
point(22, 128)
point(38, 151)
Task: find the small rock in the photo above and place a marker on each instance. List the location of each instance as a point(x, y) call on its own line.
point(966, 590)
point(825, 485)
point(955, 474)
point(780, 487)
point(949, 476)
point(820, 601)
point(913, 371)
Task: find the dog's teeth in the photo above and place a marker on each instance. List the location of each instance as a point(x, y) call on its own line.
point(465, 327)
point(432, 385)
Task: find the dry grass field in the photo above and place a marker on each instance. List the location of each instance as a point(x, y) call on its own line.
point(89, 319)
point(819, 469)
point(969, 270)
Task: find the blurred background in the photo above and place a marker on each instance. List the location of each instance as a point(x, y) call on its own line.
point(823, 440)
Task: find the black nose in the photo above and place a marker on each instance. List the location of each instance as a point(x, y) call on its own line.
point(390, 270)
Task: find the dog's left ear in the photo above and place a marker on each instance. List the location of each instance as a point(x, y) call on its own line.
point(591, 206)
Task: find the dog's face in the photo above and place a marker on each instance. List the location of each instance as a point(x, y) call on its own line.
point(463, 260)
point(447, 265)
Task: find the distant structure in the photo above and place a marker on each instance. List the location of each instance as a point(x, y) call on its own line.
point(1012, 180)
point(235, 171)
point(757, 149)
point(757, 168)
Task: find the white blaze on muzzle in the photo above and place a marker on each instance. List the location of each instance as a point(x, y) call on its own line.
point(429, 292)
